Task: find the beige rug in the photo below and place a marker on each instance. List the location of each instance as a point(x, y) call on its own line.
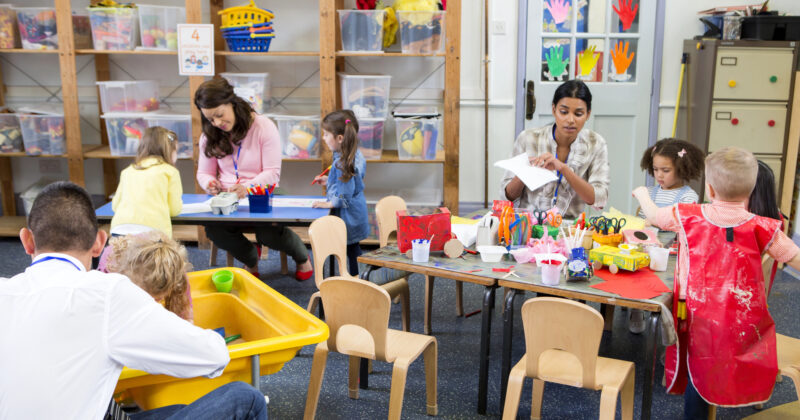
point(786, 411)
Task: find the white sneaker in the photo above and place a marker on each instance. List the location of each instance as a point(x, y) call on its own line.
point(636, 323)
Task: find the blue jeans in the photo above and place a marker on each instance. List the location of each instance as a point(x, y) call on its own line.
point(236, 400)
point(694, 406)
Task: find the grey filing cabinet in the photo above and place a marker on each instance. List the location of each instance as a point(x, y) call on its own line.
point(738, 93)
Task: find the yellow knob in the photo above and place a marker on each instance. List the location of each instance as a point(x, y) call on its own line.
point(732, 83)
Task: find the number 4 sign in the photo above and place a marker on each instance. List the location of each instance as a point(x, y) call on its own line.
point(196, 49)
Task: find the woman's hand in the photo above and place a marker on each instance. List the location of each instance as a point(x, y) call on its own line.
point(214, 187)
point(322, 180)
point(322, 204)
point(239, 189)
point(547, 161)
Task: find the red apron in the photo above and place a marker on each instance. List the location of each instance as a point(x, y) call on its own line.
point(728, 346)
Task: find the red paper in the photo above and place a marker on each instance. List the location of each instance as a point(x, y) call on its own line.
point(640, 284)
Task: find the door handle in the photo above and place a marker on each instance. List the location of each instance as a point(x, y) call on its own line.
point(530, 100)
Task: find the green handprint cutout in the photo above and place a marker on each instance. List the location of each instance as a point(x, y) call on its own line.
point(555, 64)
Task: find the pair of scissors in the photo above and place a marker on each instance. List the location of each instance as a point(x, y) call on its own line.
point(616, 224)
point(554, 218)
point(540, 215)
point(600, 224)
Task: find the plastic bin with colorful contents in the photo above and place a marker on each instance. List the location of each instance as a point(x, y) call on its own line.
point(421, 32)
point(158, 26)
point(300, 135)
point(113, 28)
point(10, 133)
point(42, 129)
point(8, 26)
point(37, 28)
point(370, 136)
point(125, 130)
point(362, 30)
point(129, 96)
point(366, 95)
point(252, 87)
point(419, 133)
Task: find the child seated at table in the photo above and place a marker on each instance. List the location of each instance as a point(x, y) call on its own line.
point(726, 337)
point(158, 265)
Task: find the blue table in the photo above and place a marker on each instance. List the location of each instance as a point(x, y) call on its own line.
point(290, 216)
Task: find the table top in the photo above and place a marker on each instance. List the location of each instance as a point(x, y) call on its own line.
point(470, 268)
point(285, 215)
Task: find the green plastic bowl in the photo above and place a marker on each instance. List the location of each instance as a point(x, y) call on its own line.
point(223, 280)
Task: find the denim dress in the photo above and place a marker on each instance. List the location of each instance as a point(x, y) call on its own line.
point(347, 198)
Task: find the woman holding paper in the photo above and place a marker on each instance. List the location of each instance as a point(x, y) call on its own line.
point(578, 156)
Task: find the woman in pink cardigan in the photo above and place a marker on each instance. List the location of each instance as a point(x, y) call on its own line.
point(239, 148)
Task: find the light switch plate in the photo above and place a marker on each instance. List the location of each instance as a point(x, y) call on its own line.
point(498, 27)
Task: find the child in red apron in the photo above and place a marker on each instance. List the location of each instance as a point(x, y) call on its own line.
point(725, 354)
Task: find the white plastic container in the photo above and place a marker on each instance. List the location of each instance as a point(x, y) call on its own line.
point(300, 135)
point(421, 32)
point(370, 136)
point(366, 95)
point(492, 253)
point(419, 138)
point(362, 30)
point(158, 26)
point(124, 132)
point(129, 96)
point(551, 273)
point(420, 250)
point(252, 87)
point(43, 129)
point(181, 124)
point(10, 134)
point(37, 27)
point(658, 258)
point(114, 28)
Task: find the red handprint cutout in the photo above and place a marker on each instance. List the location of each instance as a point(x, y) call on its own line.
point(625, 13)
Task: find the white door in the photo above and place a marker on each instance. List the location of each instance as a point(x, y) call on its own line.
point(612, 43)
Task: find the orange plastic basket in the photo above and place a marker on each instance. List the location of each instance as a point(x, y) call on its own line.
point(245, 15)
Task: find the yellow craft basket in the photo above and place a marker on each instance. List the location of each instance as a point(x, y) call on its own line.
point(245, 15)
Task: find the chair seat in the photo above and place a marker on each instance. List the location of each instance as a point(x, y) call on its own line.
point(400, 345)
point(788, 351)
point(560, 367)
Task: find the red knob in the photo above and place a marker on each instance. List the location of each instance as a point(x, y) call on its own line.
point(771, 123)
point(735, 121)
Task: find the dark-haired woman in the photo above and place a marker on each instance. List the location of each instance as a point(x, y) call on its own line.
point(239, 148)
point(578, 156)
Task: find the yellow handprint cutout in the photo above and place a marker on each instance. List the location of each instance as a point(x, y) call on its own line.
point(621, 60)
point(587, 59)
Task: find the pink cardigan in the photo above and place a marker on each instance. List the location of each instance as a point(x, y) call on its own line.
point(259, 161)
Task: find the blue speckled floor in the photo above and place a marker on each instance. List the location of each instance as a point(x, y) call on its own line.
point(459, 340)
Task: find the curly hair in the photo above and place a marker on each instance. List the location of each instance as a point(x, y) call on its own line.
point(157, 264)
point(688, 159)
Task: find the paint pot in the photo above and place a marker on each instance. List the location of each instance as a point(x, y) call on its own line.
point(223, 280)
point(420, 250)
point(551, 272)
point(658, 258)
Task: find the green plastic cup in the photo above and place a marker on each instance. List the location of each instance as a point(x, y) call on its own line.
point(223, 280)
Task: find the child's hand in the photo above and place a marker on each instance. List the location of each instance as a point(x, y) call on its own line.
point(322, 204)
point(239, 189)
point(322, 180)
point(214, 187)
point(639, 192)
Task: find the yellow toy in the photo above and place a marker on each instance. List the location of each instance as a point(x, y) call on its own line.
point(411, 140)
point(416, 5)
point(616, 258)
point(390, 27)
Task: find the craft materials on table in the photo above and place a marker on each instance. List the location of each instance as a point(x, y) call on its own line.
point(259, 198)
point(420, 250)
point(607, 230)
point(114, 27)
point(436, 226)
point(640, 284)
point(37, 28)
point(626, 258)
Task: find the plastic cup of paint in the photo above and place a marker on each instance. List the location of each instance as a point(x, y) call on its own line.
point(420, 250)
point(223, 280)
point(551, 272)
point(658, 258)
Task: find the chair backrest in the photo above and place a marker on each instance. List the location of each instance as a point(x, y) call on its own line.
point(562, 324)
point(328, 236)
point(386, 213)
point(360, 311)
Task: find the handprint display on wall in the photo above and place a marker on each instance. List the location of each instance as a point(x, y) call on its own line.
point(556, 63)
point(626, 12)
point(587, 60)
point(621, 61)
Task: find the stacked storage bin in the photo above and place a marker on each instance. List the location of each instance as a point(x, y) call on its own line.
point(158, 26)
point(247, 28)
point(368, 97)
point(10, 133)
point(125, 106)
point(300, 134)
point(43, 129)
point(419, 133)
point(114, 28)
point(252, 87)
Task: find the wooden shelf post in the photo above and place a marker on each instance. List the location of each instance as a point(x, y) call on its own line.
point(452, 101)
point(69, 91)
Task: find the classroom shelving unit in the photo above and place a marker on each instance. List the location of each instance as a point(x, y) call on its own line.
point(331, 61)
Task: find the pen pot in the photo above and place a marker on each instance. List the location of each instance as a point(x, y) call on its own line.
point(260, 203)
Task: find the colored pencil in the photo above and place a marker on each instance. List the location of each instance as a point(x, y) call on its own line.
point(325, 172)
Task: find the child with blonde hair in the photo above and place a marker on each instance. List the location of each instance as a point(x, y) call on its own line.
point(725, 353)
point(158, 265)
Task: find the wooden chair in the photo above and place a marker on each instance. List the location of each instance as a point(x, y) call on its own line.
point(357, 313)
point(562, 338)
point(386, 213)
point(212, 259)
point(328, 236)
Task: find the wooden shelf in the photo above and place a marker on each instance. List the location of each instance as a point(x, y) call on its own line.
point(134, 52)
point(384, 54)
point(99, 151)
point(273, 53)
point(390, 156)
point(24, 51)
point(10, 225)
point(23, 154)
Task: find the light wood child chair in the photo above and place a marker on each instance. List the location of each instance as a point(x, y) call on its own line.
point(357, 313)
point(562, 338)
point(328, 236)
point(386, 213)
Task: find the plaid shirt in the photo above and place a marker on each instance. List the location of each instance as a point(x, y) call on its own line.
point(588, 158)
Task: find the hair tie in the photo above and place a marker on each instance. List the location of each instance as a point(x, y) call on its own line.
point(682, 152)
point(347, 121)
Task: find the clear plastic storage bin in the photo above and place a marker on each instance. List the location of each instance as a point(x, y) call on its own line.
point(37, 28)
point(419, 138)
point(10, 134)
point(8, 26)
point(43, 129)
point(113, 28)
point(300, 135)
point(370, 136)
point(124, 132)
point(158, 26)
point(252, 87)
point(362, 30)
point(181, 124)
point(421, 32)
point(366, 95)
point(129, 96)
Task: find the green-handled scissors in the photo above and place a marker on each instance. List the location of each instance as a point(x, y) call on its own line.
point(616, 224)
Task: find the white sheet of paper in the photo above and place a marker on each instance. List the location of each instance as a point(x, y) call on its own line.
point(189, 208)
point(533, 177)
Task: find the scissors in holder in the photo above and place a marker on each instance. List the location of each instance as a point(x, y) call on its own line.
point(616, 224)
point(540, 215)
point(554, 218)
point(600, 224)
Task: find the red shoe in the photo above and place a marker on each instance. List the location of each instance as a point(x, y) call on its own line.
point(303, 275)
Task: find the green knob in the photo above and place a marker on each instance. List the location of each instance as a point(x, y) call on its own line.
point(773, 79)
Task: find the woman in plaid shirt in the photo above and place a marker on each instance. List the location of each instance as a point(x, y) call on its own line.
point(579, 156)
